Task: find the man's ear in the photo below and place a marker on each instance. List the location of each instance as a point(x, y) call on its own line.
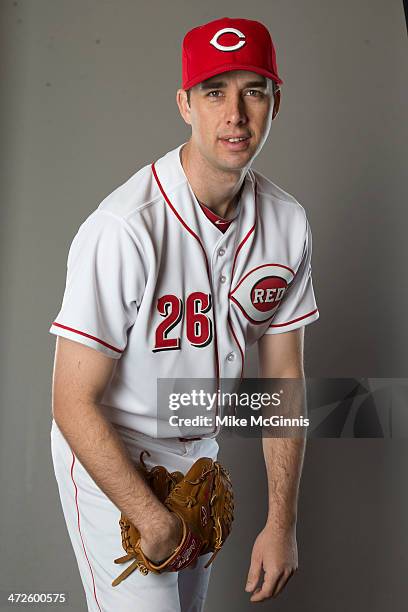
point(276, 104)
point(183, 105)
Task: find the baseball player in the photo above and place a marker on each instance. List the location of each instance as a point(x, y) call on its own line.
point(194, 258)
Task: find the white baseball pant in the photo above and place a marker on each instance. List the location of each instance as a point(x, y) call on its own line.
point(93, 525)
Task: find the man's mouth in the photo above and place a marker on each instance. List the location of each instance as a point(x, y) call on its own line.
point(235, 143)
point(235, 138)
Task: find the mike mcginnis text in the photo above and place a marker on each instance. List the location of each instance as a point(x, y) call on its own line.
point(233, 421)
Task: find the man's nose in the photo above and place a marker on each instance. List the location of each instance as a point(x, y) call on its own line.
point(235, 110)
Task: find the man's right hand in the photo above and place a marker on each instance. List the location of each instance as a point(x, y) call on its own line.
point(161, 540)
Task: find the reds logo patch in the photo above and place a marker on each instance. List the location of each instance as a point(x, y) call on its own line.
point(214, 41)
point(259, 293)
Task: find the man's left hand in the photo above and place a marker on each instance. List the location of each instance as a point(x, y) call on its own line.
point(274, 552)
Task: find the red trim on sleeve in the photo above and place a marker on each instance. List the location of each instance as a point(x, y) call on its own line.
point(293, 320)
point(76, 331)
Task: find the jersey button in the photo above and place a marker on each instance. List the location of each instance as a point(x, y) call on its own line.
point(231, 356)
point(223, 279)
point(221, 252)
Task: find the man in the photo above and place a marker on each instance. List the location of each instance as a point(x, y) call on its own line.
point(191, 260)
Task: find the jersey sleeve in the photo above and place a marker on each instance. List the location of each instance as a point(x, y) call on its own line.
point(298, 306)
point(104, 285)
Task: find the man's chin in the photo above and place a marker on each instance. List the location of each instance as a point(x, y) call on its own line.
point(235, 166)
point(235, 161)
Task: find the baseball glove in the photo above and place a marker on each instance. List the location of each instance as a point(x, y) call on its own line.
point(202, 499)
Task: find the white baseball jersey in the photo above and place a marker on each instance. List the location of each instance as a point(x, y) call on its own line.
point(153, 282)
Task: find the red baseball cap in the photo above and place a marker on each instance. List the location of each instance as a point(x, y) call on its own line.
point(227, 44)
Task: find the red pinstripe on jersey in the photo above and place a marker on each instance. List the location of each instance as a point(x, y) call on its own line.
point(243, 241)
point(184, 224)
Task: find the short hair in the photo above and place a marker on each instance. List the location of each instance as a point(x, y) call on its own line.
point(275, 88)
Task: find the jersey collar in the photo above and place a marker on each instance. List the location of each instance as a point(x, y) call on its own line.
point(180, 197)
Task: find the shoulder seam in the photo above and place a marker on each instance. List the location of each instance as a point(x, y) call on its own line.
point(155, 200)
point(290, 197)
point(123, 221)
point(271, 195)
point(141, 207)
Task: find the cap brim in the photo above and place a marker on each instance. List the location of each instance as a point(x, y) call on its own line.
point(199, 78)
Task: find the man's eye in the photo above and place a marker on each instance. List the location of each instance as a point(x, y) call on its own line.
point(214, 93)
point(255, 93)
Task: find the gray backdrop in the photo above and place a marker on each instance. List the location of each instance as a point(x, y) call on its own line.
point(88, 97)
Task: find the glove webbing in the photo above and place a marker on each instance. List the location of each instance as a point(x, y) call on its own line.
point(191, 500)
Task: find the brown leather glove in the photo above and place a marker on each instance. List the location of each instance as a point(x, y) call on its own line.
point(203, 500)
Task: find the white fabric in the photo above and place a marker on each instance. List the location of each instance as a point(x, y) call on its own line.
point(298, 306)
point(225, 290)
point(93, 526)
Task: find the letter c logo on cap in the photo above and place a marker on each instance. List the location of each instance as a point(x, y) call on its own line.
point(216, 44)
